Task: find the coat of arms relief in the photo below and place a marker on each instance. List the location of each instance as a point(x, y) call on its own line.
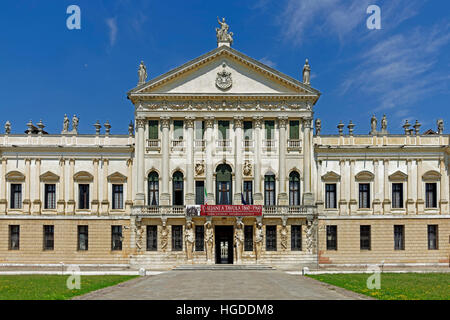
point(223, 79)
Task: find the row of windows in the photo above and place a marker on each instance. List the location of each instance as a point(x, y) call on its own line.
point(224, 129)
point(49, 237)
point(397, 195)
point(50, 196)
point(224, 193)
point(366, 240)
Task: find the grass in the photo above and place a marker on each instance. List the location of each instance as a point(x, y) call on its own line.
point(51, 287)
point(395, 286)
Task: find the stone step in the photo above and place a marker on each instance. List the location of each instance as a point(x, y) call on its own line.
point(224, 267)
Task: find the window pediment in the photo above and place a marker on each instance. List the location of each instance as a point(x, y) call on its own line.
point(331, 176)
point(117, 177)
point(364, 176)
point(49, 176)
point(398, 176)
point(431, 175)
point(83, 176)
point(15, 176)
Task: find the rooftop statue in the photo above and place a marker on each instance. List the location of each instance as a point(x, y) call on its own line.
point(373, 125)
point(65, 124)
point(307, 73)
point(223, 36)
point(142, 72)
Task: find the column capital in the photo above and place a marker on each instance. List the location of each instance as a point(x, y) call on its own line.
point(129, 162)
point(418, 161)
point(238, 121)
point(282, 121)
point(385, 161)
point(37, 161)
point(209, 121)
point(375, 162)
point(95, 161)
point(165, 121)
point(140, 123)
point(189, 121)
point(258, 121)
point(307, 123)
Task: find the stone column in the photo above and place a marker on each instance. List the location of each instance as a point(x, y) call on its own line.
point(37, 189)
point(282, 196)
point(27, 201)
point(444, 191)
point(420, 204)
point(95, 205)
point(386, 200)
point(320, 188)
point(343, 192)
point(3, 201)
point(71, 202)
point(129, 201)
point(190, 192)
point(62, 187)
point(238, 138)
point(209, 123)
point(105, 201)
point(140, 153)
point(257, 197)
point(410, 201)
point(376, 189)
point(308, 197)
point(165, 165)
point(353, 204)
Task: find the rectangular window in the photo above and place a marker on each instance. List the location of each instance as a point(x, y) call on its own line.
point(397, 195)
point(330, 196)
point(271, 238)
point(296, 238)
point(178, 130)
point(294, 130)
point(433, 237)
point(248, 192)
point(153, 129)
point(224, 129)
point(269, 190)
point(199, 192)
point(14, 237)
point(16, 196)
point(199, 238)
point(364, 195)
point(117, 196)
point(331, 237)
point(269, 125)
point(177, 238)
point(199, 130)
point(116, 238)
point(364, 235)
point(50, 196)
point(248, 130)
point(83, 196)
point(248, 238)
point(399, 237)
point(152, 238)
point(49, 237)
point(83, 238)
point(431, 195)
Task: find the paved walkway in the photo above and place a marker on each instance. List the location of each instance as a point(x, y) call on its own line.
point(222, 284)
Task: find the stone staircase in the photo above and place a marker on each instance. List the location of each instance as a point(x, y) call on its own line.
point(224, 267)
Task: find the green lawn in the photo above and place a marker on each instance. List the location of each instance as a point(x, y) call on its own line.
point(395, 286)
point(51, 287)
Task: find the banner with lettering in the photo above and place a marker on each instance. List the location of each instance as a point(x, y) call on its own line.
point(230, 210)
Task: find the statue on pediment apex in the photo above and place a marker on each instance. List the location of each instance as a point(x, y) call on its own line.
point(307, 73)
point(222, 34)
point(142, 72)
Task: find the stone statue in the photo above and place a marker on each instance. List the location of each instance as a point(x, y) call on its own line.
point(142, 72)
point(247, 168)
point(75, 124)
point(200, 168)
point(131, 128)
point(284, 237)
point(440, 126)
point(373, 125)
point(239, 241)
point(259, 237)
point(222, 34)
point(384, 125)
point(310, 230)
point(318, 126)
point(164, 236)
point(65, 124)
point(139, 231)
point(209, 241)
point(189, 240)
point(307, 73)
point(7, 127)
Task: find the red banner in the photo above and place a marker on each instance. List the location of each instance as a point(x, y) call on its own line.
point(230, 210)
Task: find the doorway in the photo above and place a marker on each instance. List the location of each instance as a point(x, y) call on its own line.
point(224, 244)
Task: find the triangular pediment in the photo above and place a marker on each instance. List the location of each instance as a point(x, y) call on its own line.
point(331, 176)
point(398, 176)
point(246, 76)
point(117, 177)
point(49, 176)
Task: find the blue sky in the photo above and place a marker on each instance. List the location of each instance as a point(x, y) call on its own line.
point(402, 70)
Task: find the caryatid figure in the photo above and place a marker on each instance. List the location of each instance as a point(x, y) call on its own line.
point(164, 236)
point(239, 241)
point(259, 237)
point(189, 240)
point(209, 241)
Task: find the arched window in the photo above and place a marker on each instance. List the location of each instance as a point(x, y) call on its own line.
point(178, 189)
point(269, 189)
point(223, 184)
point(153, 189)
point(294, 189)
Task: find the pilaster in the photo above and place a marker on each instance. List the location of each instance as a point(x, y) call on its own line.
point(190, 190)
point(36, 210)
point(165, 196)
point(209, 124)
point(140, 156)
point(105, 188)
point(61, 205)
point(238, 124)
point(257, 197)
point(282, 196)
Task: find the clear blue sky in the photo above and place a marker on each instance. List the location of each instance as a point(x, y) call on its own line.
point(402, 70)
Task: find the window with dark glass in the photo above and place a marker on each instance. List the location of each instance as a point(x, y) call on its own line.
point(364, 195)
point(248, 192)
point(364, 235)
point(330, 196)
point(248, 238)
point(178, 129)
point(269, 125)
point(16, 196)
point(117, 196)
point(224, 129)
point(14, 237)
point(49, 237)
point(269, 190)
point(248, 130)
point(331, 237)
point(397, 195)
point(178, 189)
point(153, 189)
point(116, 238)
point(199, 238)
point(432, 237)
point(294, 189)
point(83, 238)
point(152, 238)
point(399, 237)
point(223, 184)
point(50, 196)
point(271, 238)
point(294, 130)
point(83, 196)
point(177, 238)
point(153, 129)
point(431, 195)
point(296, 238)
point(199, 192)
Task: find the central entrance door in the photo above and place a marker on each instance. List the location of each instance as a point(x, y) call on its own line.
point(224, 244)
